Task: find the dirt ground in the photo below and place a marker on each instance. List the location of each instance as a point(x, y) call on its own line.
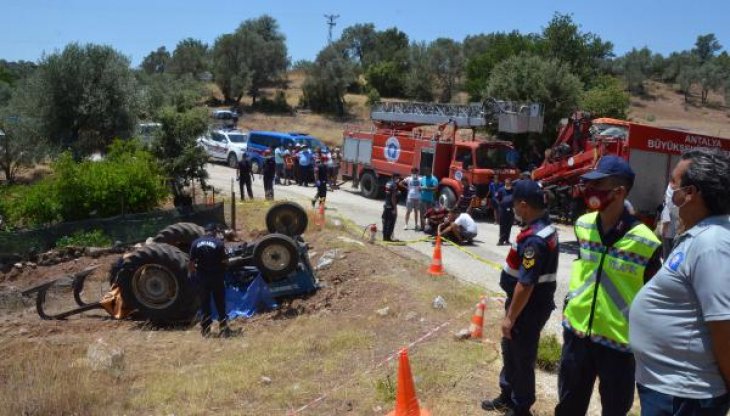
point(326, 354)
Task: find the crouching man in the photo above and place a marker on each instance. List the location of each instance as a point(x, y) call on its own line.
point(460, 229)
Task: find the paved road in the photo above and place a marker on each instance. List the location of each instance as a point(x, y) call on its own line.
point(362, 211)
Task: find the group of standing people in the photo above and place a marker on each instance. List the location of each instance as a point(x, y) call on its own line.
point(420, 198)
point(629, 320)
point(293, 164)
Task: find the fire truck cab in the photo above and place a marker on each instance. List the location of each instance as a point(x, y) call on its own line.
point(426, 136)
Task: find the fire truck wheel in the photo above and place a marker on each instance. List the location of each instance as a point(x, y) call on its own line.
point(180, 235)
point(288, 218)
point(232, 160)
point(369, 185)
point(154, 282)
point(275, 256)
point(447, 197)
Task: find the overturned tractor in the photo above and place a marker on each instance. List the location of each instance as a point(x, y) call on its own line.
point(152, 283)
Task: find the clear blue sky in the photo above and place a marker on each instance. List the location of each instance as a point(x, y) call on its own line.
point(31, 27)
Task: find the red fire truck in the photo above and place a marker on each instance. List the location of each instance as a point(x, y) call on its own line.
point(427, 136)
point(651, 151)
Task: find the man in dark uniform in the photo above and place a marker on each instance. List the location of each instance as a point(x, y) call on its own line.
point(506, 215)
point(321, 179)
point(269, 172)
point(528, 278)
point(207, 266)
point(468, 193)
point(245, 177)
point(390, 207)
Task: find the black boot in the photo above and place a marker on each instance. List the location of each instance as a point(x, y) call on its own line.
point(500, 404)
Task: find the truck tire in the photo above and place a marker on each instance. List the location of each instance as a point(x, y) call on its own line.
point(180, 235)
point(154, 282)
point(447, 197)
point(255, 166)
point(232, 160)
point(369, 187)
point(276, 256)
point(288, 218)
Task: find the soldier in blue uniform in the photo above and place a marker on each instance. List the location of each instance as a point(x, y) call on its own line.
point(207, 265)
point(390, 208)
point(528, 278)
point(506, 213)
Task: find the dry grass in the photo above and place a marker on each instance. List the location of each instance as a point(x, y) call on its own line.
point(332, 350)
point(664, 107)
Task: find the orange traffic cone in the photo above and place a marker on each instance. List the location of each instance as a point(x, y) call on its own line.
point(406, 402)
point(437, 268)
point(476, 328)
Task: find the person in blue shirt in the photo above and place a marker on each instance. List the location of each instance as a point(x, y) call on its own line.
point(429, 186)
point(207, 266)
point(494, 187)
point(529, 280)
point(305, 165)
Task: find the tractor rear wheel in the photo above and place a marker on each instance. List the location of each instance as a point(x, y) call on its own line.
point(276, 256)
point(180, 235)
point(154, 282)
point(288, 218)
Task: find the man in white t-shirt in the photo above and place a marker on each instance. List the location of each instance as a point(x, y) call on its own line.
point(460, 229)
point(413, 200)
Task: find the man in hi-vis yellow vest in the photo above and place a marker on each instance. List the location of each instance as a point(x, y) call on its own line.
point(617, 255)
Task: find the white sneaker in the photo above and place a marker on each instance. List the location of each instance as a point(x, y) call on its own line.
point(405, 227)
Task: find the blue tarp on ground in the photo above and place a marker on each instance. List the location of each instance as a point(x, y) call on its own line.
point(240, 303)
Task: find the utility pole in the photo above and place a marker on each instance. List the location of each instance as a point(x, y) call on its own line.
point(331, 23)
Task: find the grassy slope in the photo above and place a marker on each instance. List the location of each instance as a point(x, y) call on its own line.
point(664, 107)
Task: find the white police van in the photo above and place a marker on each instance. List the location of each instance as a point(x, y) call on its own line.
point(225, 145)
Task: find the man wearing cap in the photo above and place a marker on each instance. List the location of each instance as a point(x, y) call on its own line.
point(207, 266)
point(680, 320)
point(528, 278)
point(617, 256)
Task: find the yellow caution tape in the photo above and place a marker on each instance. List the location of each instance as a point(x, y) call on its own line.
point(490, 263)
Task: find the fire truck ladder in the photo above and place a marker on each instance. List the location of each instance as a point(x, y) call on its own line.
point(512, 117)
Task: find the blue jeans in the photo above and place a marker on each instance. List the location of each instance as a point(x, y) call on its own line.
point(654, 403)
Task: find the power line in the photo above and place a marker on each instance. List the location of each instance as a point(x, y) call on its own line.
point(331, 23)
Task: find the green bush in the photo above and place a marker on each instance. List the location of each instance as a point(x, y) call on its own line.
point(548, 353)
point(128, 181)
point(29, 205)
point(606, 99)
point(373, 96)
point(95, 238)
